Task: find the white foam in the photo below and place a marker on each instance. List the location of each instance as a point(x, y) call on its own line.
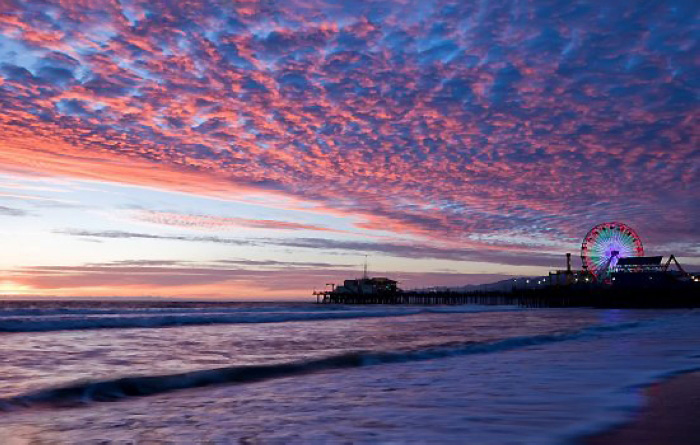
point(72, 319)
point(542, 389)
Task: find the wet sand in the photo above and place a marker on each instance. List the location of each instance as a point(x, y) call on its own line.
point(671, 417)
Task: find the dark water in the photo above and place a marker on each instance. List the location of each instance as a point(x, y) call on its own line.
point(281, 373)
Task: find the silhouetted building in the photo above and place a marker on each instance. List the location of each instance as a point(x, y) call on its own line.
point(368, 286)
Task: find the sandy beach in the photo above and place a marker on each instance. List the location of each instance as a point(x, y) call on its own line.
point(669, 418)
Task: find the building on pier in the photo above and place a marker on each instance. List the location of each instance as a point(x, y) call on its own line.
point(365, 289)
point(368, 286)
point(361, 290)
point(631, 272)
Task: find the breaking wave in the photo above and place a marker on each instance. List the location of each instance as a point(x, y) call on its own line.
point(62, 320)
point(81, 393)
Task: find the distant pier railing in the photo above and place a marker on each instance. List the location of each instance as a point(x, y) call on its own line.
point(551, 297)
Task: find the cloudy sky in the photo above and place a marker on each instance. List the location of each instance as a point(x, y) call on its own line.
point(262, 148)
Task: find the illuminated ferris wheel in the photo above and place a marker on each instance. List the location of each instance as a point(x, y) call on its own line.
point(606, 243)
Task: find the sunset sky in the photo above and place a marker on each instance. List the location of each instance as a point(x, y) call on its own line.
point(260, 149)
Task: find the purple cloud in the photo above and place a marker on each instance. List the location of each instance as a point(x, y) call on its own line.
point(446, 120)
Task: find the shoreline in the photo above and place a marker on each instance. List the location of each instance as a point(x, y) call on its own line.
point(668, 417)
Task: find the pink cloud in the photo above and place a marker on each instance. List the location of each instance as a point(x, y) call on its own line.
point(397, 113)
point(202, 281)
point(219, 222)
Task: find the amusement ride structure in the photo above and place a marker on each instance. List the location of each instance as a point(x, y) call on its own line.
point(606, 243)
point(614, 251)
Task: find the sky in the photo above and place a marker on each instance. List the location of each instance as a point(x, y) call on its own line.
point(260, 149)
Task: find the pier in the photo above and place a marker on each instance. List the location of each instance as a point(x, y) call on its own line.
point(632, 282)
point(549, 297)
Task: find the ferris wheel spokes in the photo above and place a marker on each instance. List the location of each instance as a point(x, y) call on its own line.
point(606, 243)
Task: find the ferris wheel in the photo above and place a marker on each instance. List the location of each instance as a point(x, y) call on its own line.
point(606, 243)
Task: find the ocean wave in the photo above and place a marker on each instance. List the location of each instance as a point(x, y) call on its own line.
point(89, 319)
point(81, 393)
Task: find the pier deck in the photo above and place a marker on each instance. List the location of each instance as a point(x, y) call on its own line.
point(676, 297)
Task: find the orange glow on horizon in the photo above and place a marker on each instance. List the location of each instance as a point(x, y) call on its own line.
point(233, 291)
point(8, 288)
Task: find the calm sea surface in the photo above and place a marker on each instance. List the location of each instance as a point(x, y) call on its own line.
point(302, 373)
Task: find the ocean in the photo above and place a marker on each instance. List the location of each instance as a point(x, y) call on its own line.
point(98, 372)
